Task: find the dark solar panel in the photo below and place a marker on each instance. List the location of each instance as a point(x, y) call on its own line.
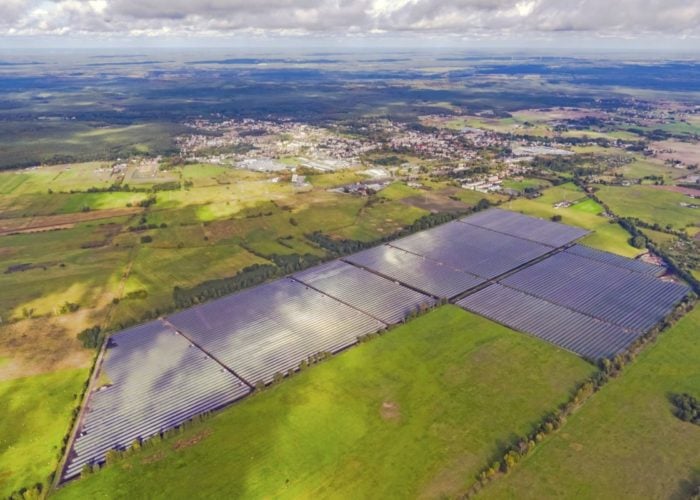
point(379, 297)
point(472, 249)
point(157, 381)
point(272, 327)
point(626, 298)
point(563, 327)
point(417, 272)
point(542, 231)
point(617, 260)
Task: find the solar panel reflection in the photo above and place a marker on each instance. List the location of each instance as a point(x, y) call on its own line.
point(379, 297)
point(515, 224)
point(417, 272)
point(271, 328)
point(155, 380)
point(472, 249)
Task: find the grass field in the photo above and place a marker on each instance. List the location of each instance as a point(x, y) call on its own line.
point(584, 213)
point(625, 442)
point(416, 412)
point(36, 416)
point(650, 205)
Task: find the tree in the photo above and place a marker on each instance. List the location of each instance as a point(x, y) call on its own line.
point(639, 241)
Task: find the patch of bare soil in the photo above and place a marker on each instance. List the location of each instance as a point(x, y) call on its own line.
point(434, 202)
point(192, 440)
point(43, 345)
point(155, 457)
point(390, 410)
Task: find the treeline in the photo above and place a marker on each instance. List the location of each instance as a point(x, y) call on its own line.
point(211, 289)
point(126, 188)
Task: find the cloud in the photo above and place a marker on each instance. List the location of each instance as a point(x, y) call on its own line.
point(467, 18)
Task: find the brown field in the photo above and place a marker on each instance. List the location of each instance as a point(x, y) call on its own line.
point(679, 189)
point(686, 152)
point(42, 345)
point(60, 221)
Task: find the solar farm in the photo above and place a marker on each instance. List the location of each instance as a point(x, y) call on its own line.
point(525, 273)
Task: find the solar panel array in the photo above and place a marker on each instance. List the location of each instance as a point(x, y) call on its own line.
point(472, 249)
point(271, 328)
point(157, 381)
point(428, 276)
point(379, 297)
point(626, 298)
point(617, 260)
point(522, 226)
point(569, 329)
point(163, 373)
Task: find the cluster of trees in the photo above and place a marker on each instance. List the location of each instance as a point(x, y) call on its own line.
point(211, 289)
point(92, 337)
point(687, 408)
point(294, 262)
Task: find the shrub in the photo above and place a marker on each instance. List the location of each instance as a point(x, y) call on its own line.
point(91, 338)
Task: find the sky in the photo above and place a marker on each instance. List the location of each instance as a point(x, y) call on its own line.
point(629, 24)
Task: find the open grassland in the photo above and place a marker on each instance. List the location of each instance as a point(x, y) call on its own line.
point(642, 167)
point(415, 412)
point(583, 213)
point(35, 416)
point(625, 442)
point(655, 206)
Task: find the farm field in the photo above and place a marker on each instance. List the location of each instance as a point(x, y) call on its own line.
point(429, 395)
point(625, 442)
point(652, 205)
point(585, 213)
point(36, 416)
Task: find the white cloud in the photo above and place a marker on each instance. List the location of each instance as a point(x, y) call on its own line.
point(477, 18)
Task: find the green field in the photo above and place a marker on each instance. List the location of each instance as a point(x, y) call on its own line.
point(625, 442)
point(652, 205)
point(415, 412)
point(35, 417)
point(584, 213)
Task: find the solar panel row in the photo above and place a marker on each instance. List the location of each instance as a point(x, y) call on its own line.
point(569, 329)
point(472, 249)
point(626, 298)
point(381, 298)
point(156, 380)
point(617, 260)
point(415, 271)
point(522, 226)
point(272, 327)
